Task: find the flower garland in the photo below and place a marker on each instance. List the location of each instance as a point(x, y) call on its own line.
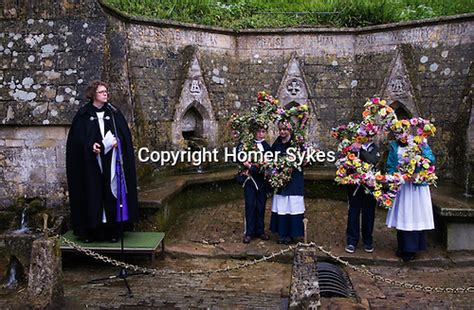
point(277, 173)
point(244, 126)
point(386, 188)
point(352, 170)
point(295, 119)
point(378, 117)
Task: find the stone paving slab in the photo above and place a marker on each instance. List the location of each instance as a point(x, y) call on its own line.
point(195, 234)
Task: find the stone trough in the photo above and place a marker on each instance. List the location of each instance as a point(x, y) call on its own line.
point(455, 217)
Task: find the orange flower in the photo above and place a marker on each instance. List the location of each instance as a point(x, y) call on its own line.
point(365, 113)
point(389, 110)
point(379, 177)
point(405, 122)
point(351, 156)
point(388, 202)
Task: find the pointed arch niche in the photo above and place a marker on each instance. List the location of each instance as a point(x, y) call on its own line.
point(401, 110)
point(192, 123)
point(194, 119)
point(397, 89)
point(293, 91)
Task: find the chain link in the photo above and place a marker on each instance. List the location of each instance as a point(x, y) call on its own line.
point(362, 270)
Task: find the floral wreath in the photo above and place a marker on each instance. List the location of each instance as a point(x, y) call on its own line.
point(277, 173)
point(379, 117)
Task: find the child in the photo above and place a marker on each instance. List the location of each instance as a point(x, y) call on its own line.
point(288, 203)
point(412, 212)
point(255, 191)
point(362, 202)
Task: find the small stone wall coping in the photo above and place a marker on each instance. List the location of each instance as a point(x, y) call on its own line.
point(448, 204)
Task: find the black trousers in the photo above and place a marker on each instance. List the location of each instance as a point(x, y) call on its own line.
point(360, 203)
point(254, 209)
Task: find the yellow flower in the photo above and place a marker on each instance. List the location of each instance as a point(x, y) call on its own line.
point(377, 194)
point(417, 139)
point(382, 102)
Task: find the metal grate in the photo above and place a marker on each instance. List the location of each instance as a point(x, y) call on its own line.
point(333, 281)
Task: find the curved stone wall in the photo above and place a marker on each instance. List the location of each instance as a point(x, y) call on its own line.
point(173, 80)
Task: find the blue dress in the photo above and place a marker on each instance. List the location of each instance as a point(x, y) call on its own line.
point(288, 203)
point(412, 211)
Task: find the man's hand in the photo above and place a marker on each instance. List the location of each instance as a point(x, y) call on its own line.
point(96, 148)
point(247, 165)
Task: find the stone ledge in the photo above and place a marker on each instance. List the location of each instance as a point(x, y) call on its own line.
point(449, 202)
point(230, 250)
point(169, 187)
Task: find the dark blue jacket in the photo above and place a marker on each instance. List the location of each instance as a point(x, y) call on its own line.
point(254, 171)
point(296, 185)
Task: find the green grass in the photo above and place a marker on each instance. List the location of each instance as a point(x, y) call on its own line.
point(241, 14)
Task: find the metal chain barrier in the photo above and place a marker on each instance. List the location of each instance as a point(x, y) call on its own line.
point(364, 271)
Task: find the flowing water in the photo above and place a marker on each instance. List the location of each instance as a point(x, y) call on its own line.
point(14, 273)
point(24, 229)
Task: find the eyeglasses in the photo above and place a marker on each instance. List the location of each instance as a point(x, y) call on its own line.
point(103, 92)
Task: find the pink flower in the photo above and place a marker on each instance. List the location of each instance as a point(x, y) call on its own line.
point(414, 121)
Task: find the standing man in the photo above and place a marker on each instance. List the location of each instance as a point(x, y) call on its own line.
point(362, 202)
point(95, 160)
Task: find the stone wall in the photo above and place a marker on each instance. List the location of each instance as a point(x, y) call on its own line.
point(49, 51)
point(32, 163)
point(167, 77)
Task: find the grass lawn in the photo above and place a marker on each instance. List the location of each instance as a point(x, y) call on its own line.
point(241, 14)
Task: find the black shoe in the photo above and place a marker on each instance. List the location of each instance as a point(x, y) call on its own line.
point(281, 241)
point(407, 257)
point(288, 240)
point(368, 248)
point(350, 248)
point(247, 239)
point(264, 237)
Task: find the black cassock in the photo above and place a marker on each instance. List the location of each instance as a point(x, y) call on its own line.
point(90, 195)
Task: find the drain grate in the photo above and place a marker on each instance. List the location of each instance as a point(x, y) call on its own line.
point(333, 281)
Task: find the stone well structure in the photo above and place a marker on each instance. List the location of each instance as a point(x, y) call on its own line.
point(174, 81)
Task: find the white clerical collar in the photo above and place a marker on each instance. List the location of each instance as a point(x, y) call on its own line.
point(259, 141)
point(365, 146)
